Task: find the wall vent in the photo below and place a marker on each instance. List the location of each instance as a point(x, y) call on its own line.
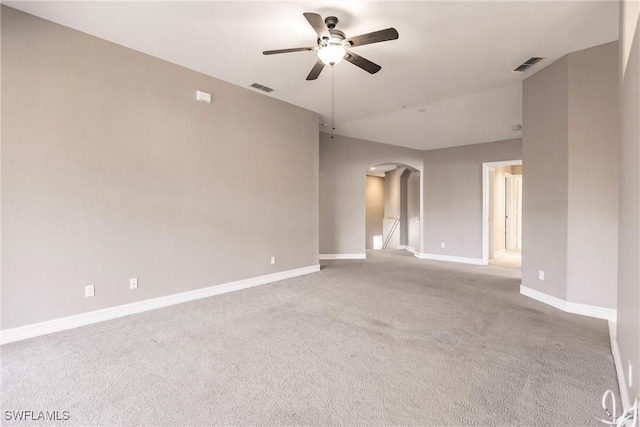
point(527, 64)
point(261, 87)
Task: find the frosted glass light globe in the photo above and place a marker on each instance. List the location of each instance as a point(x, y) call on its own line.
point(332, 54)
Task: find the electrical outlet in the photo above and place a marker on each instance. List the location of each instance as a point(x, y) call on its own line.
point(89, 290)
point(442, 245)
point(630, 372)
point(133, 283)
point(273, 260)
point(541, 275)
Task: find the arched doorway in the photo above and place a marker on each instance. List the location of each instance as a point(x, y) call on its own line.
point(392, 207)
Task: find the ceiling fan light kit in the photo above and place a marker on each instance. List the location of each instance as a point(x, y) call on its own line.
point(332, 54)
point(332, 47)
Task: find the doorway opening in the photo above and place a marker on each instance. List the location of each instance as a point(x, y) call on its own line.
point(502, 213)
point(393, 207)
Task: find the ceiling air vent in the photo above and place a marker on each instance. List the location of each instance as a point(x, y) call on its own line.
point(261, 87)
point(527, 64)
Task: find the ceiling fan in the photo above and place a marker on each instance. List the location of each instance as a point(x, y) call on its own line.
point(333, 46)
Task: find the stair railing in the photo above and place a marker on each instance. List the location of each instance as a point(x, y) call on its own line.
point(393, 230)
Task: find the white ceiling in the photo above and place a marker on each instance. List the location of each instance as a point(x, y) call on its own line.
point(453, 59)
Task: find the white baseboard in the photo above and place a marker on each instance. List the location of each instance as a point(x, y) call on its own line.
point(617, 360)
point(464, 260)
point(70, 322)
point(409, 248)
point(500, 252)
point(613, 330)
point(570, 307)
point(324, 257)
point(592, 311)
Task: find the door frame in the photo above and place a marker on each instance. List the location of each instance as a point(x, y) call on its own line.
point(485, 202)
point(513, 208)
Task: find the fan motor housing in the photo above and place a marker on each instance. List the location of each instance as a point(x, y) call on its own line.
point(337, 38)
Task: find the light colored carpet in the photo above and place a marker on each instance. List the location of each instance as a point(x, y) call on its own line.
point(511, 259)
point(392, 340)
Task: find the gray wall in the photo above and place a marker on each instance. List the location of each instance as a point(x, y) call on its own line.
point(413, 210)
point(1, 173)
point(570, 125)
point(394, 207)
point(593, 176)
point(375, 208)
point(545, 116)
point(404, 214)
point(402, 200)
point(343, 165)
point(392, 194)
point(111, 170)
point(453, 196)
point(628, 325)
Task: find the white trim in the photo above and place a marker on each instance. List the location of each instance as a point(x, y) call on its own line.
point(70, 322)
point(617, 361)
point(570, 307)
point(591, 311)
point(422, 212)
point(516, 162)
point(613, 330)
point(485, 203)
point(500, 252)
point(324, 257)
point(408, 248)
point(449, 258)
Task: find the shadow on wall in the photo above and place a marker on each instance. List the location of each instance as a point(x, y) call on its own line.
point(392, 207)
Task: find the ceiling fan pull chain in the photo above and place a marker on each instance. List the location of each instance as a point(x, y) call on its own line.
point(333, 101)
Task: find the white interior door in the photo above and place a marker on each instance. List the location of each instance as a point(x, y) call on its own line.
point(518, 180)
point(491, 212)
point(513, 209)
point(510, 212)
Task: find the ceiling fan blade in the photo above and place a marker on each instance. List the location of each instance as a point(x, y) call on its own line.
point(361, 62)
point(375, 37)
point(293, 49)
point(318, 24)
point(315, 71)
